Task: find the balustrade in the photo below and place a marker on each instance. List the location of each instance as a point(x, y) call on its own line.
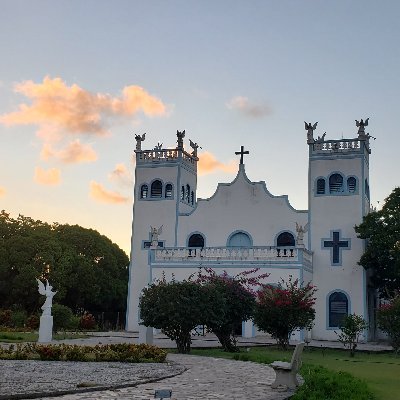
point(230, 254)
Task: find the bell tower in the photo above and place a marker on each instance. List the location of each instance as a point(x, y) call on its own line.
point(339, 198)
point(165, 186)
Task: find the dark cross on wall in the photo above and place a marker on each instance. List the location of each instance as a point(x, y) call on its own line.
point(336, 245)
point(241, 152)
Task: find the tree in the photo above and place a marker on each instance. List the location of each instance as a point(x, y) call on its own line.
point(388, 318)
point(238, 305)
point(382, 255)
point(283, 309)
point(177, 308)
point(351, 326)
point(88, 271)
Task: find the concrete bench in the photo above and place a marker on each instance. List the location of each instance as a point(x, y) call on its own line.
point(286, 372)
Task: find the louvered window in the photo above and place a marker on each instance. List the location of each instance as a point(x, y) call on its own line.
point(156, 189)
point(351, 184)
point(335, 183)
point(321, 186)
point(168, 190)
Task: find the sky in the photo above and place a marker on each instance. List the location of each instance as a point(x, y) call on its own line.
point(78, 80)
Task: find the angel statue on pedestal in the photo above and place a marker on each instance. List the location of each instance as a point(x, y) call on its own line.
point(154, 234)
point(46, 291)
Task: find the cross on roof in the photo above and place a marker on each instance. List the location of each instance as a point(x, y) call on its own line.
point(241, 152)
point(336, 245)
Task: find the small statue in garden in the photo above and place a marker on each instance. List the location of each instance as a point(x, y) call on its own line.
point(46, 291)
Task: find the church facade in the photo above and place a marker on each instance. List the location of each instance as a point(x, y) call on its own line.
point(243, 226)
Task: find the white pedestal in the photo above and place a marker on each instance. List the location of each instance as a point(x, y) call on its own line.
point(145, 334)
point(248, 331)
point(46, 329)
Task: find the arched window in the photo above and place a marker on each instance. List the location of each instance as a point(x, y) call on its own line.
point(144, 191)
point(335, 183)
point(168, 190)
point(239, 239)
point(156, 189)
point(183, 193)
point(321, 186)
point(338, 308)
point(285, 239)
point(187, 194)
point(192, 198)
point(351, 184)
point(196, 240)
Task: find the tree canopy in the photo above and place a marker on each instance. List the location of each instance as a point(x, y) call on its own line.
point(382, 254)
point(88, 271)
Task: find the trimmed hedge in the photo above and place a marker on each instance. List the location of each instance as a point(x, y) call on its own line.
point(124, 352)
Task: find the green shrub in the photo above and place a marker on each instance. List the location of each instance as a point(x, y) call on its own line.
point(74, 353)
point(18, 318)
point(351, 326)
point(62, 317)
point(323, 384)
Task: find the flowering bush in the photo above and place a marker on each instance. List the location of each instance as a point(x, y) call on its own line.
point(33, 322)
point(87, 322)
point(281, 310)
point(388, 318)
point(238, 302)
point(5, 318)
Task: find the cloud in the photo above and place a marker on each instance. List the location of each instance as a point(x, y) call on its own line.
point(243, 105)
point(74, 110)
point(121, 175)
point(51, 176)
point(2, 191)
point(208, 164)
point(75, 152)
point(100, 194)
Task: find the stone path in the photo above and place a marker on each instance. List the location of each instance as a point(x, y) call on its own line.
point(205, 378)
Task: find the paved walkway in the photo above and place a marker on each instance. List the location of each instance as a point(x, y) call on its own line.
point(205, 378)
point(189, 377)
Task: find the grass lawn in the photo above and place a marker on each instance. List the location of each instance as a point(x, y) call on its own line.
point(16, 337)
point(381, 371)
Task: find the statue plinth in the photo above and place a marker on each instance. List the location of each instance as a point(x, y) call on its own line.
point(145, 334)
point(45, 329)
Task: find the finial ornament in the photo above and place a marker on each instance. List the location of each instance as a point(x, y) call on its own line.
point(241, 152)
point(180, 136)
point(139, 140)
point(310, 128)
point(194, 146)
point(361, 128)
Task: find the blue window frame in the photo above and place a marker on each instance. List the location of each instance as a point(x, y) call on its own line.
point(338, 308)
point(336, 183)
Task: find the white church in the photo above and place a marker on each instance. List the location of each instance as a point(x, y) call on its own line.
point(243, 226)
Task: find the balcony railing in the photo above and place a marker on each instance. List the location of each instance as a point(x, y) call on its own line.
point(261, 254)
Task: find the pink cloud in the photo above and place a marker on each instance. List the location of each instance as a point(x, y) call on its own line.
point(243, 105)
point(50, 177)
point(2, 191)
point(99, 193)
point(121, 175)
point(72, 109)
point(75, 152)
point(208, 164)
